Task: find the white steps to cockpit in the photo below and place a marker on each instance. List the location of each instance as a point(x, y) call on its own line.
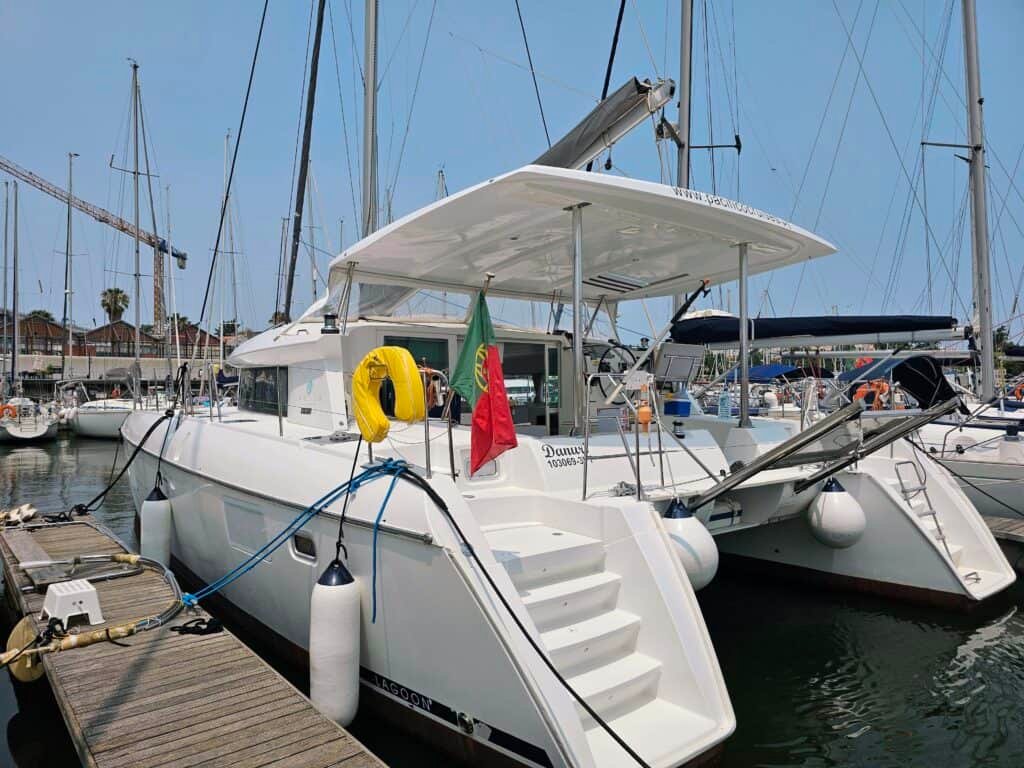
point(536, 553)
point(655, 730)
point(574, 603)
point(610, 687)
point(562, 602)
point(601, 638)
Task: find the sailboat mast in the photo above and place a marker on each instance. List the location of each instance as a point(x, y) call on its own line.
point(370, 121)
point(14, 297)
point(685, 93)
point(300, 188)
point(170, 281)
point(68, 322)
point(979, 217)
point(3, 309)
point(138, 275)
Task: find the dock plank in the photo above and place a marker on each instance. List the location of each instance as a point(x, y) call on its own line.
point(1006, 528)
point(163, 698)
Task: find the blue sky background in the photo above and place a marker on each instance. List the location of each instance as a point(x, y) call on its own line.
point(769, 69)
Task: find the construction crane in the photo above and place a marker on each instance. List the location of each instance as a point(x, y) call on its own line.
point(158, 244)
point(101, 215)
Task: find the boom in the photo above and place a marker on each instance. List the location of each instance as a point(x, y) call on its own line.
point(95, 211)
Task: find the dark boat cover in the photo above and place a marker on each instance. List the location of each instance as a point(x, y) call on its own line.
point(774, 372)
point(721, 329)
point(920, 375)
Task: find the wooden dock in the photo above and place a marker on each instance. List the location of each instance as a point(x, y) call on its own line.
point(164, 698)
point(1005, 528)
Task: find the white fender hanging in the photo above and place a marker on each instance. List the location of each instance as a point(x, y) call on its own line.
point(334, 644)
point(835, 517)
point(155, 521)
point(695, 546)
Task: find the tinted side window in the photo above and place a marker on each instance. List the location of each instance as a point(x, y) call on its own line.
point(258, 389)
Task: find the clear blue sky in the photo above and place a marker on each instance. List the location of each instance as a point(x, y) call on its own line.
point(772, 67)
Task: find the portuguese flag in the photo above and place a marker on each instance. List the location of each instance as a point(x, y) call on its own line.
point(478, 378)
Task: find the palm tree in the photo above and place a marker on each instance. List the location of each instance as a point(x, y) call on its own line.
point(114, 302)
point(42, 314)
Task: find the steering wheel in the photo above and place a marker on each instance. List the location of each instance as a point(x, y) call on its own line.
point(626, 360)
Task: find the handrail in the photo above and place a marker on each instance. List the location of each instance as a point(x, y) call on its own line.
point(765, 460)
point(880, 441)
point(427, 372)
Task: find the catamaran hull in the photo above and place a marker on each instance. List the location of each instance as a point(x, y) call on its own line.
point(436, 648)
point(98, 423)
point(902, 554)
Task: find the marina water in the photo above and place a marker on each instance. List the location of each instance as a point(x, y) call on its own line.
point(817, 678)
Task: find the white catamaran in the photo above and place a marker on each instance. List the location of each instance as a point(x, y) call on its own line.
point(561, 545)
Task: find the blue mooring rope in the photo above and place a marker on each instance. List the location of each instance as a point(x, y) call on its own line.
point(391, 467)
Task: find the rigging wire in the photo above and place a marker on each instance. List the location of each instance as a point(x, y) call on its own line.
point(711, 115)
point(519, 65)
point(344, 121)
point(888, 129)
point(533, 74)
point(302, 103)
point(824, 116)
point(956, 113)
point(611, 61)
point(643, 36)
point(928, 111)
point(415, 91)
point(231, 173)
point(846, 118)
point(398, 42)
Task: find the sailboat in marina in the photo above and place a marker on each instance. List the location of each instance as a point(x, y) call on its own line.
point(103, 417)
point(22, 420)
point(539, 608)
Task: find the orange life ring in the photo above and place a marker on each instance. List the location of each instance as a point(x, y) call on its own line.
point(9, 410)
point(1018, 393)
point(878, 386)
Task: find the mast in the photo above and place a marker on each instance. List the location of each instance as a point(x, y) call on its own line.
point(174, 309)
point(14, 298)
point(138, 276)
point(300, 189)
point(685, 92)
point(68, 292)
point(979, 217)
point(370, 121)
point(3, 308)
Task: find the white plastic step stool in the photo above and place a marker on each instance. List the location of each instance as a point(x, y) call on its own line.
point(72, 598)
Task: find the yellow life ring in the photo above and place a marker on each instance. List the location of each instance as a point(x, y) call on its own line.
point(397, 364)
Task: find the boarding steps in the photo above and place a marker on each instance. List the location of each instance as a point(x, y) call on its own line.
point(573, 602)
point(916, 497)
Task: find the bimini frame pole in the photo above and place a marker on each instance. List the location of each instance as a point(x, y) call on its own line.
point(744, 341)
point(578, 363)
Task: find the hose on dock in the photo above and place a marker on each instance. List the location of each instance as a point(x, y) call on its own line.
point(54, 639)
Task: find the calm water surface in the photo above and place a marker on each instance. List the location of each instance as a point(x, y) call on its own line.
point(817, 678)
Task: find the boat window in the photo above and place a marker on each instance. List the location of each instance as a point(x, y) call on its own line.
point(434, 351)
point(258, 389)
